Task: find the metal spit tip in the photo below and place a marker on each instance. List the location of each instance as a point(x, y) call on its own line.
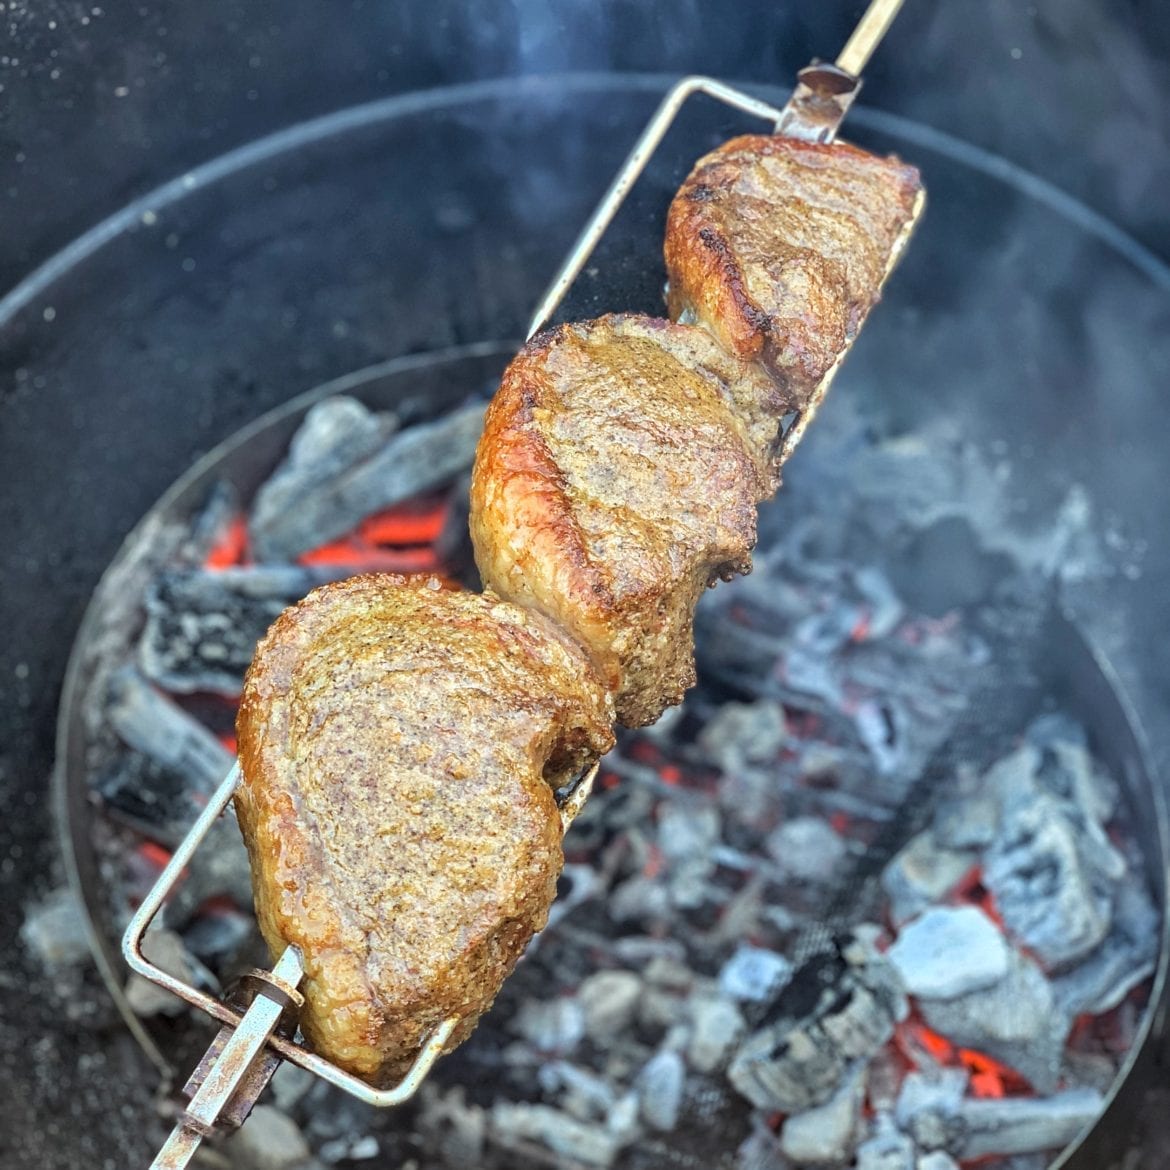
point(824, 92)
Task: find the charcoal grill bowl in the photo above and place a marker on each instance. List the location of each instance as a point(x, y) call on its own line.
point(1077, 677)
point(433, 220)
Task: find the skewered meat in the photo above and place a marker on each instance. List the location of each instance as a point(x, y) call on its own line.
point(400, 744)
point(781, 247)
point(614, 482)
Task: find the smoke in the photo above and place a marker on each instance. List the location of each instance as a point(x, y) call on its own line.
point(1075, 90)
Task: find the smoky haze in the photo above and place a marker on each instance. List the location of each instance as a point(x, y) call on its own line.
point(102, 103)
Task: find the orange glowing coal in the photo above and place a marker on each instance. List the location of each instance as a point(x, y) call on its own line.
point(971, 891)
point(231, 548)
point(397, 540)
point(355, 554)
point(418, 521)
point(988, 1077)
point(655, 860)
point(154, 854)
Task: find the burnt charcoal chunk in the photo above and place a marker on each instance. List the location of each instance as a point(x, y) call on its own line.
point(950, 951)
point(149, 722)
point(211, 522)
point(1016, 1021)
point(335, 436)
point(921, 873)
point(290, 519)
point(888, 1149)
point(937, 1113)
point(1025, 1125)
point(1128, 956)
point(219, 869)
point(826, 1134)
point(202, 626)
point(839, 1007)
point(147, 797)
point(1046, 892)
point(1052, 868)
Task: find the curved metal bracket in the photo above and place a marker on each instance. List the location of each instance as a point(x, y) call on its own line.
point(643, 150)
point(573, 801)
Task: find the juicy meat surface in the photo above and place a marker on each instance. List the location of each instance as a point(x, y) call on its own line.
point(399, 744)
point(613, 483)
point(781, 247)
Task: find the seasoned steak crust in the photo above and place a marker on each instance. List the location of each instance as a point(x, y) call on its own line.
point(613, 483)
point(399, 745)
point(780, 248)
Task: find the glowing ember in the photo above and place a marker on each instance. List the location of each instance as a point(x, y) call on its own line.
point(396, 540)
point(644, 752)
point(971, 890)
point(989, 1078)
point(413, 522)
point(655, 860)
point(359, 557)
point(154, 854)
point(231, 548)
point(915, 1037)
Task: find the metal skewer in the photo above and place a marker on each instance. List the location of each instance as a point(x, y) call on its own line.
point(866, 37)
point(624, 180)
point(251, 1043)
point(230, 1066)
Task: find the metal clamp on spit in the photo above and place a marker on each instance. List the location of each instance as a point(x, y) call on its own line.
point(258, 1033)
